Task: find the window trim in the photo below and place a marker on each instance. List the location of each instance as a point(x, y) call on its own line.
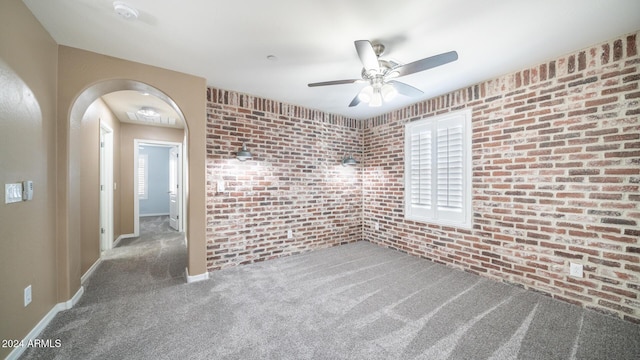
point(431, 213)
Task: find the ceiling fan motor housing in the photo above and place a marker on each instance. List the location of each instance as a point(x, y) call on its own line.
point(385, 70)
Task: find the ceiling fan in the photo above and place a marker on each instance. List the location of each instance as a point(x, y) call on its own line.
point(379, 74)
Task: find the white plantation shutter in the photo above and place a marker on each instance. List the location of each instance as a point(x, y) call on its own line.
point(419, 171)
point(451, 174)
point(421, 168)
point(143, 176)
point(437, 169)
point(450, 167)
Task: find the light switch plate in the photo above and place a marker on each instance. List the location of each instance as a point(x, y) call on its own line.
point(27, 295)
point(12, 193)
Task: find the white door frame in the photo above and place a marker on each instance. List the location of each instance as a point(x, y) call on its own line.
point(106, 187)
point(175, 187)
point(181, 172)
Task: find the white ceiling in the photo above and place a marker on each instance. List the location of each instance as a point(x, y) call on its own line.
point(125, 104)
point(227, 42)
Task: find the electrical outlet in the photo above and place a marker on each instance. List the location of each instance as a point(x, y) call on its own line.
point(575, 270)
point(27, 295)
point(376, 226)
point(289, 234)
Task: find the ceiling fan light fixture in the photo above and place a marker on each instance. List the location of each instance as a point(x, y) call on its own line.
point(366, 94)
point(376, 99)
point(379, 74)
point(388, 92)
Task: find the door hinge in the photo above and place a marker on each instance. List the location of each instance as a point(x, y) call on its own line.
point(101, 230)
point(101, 144)
point(101, 187)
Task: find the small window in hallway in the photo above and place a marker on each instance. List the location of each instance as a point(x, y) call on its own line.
point(143, 176)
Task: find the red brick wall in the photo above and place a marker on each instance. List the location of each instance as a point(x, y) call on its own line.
point(294, 182)
point(556, 179)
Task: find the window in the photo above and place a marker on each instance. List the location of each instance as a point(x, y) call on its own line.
point(143, 176)
point(438, 169)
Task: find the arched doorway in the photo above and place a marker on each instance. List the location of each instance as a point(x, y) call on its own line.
point(82, 77)
point(88, 204)
point(87, 210)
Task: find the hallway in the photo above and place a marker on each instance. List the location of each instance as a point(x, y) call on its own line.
point(119, 294)
point(158, 255)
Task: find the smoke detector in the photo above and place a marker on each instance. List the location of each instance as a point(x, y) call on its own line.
point(125, 10)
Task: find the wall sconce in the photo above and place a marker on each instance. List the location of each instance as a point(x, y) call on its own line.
point(348, 160)
point(244, 154)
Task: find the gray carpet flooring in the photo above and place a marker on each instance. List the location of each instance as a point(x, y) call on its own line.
point(356, 301)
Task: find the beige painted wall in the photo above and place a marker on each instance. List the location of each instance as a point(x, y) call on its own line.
point(80, 75)
point(28, 62)
point(128, 133)
point(41, 240)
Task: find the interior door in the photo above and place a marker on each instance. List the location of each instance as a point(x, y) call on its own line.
point(106, 187)
point(174, 188)
point(103, 193)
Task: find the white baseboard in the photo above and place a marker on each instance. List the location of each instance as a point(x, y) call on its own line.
point(74, 300)
point(158, 214)
point(90, 271)
point(195, 278)
point(123, 236)
point(33, 334)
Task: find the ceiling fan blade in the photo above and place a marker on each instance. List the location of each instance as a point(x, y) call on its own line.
point(334, 82)
point(427, 63)
point(406, 89)
point(355, 101)
point(367, 55)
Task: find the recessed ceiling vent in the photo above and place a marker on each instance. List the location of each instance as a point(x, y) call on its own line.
point(125, 10)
